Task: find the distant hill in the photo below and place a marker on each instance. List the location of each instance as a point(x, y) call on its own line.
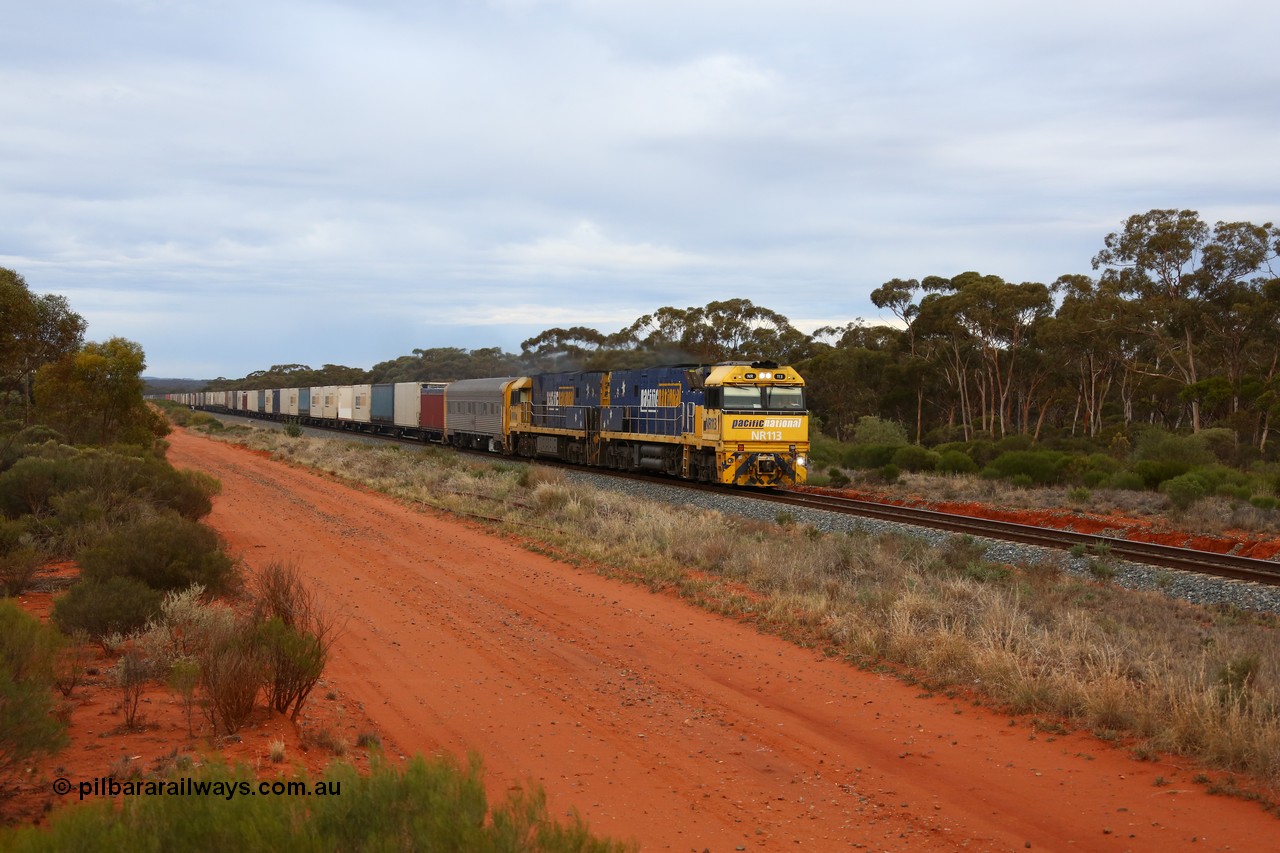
point(156, 385)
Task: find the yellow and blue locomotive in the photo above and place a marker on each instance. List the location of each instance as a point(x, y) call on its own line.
point(736, 423)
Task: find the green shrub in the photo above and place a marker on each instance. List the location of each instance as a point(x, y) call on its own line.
point(1079, 495)
point(1041, 467)
point(293, 662)
point(1155, 444)
point(118, 605)
point(1154, 472)
point(837, 477)
point(166, 552)
point(1091, 470)
point(1095, 479)
point(1130, 480)
point(1240, 493)
point(1102, 569)
point(824, 451)
point(1222, 443)
point(873, 430)
point(983, 452)
point(17, 567)
point(1184, 490)
point(1017, 441)
point(955, 462)
point(1264, 501)
point(28, 487)
point(915, 458)
point(20, 557)
point(78, 493)
point(28, 654)
point(188, 493)
point(868, 456)
point(890, 473)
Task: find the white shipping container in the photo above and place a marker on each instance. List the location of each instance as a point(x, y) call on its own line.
point(408, 404)
point(346, 401)
point(362, 403)
point(330, 407)
point(289, 402)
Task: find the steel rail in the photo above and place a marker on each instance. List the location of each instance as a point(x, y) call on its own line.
point(1167, 556)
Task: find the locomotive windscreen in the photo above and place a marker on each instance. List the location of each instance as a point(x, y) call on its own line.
point(758, 398)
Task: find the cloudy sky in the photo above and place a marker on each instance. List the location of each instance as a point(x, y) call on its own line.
point(241, 183)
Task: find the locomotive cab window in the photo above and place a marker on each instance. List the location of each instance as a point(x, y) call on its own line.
point(757, 398)
point(778, 399)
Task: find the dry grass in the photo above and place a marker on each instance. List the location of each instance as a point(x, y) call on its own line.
point(1183, 679)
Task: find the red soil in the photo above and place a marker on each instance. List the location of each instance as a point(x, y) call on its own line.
point(661, 722)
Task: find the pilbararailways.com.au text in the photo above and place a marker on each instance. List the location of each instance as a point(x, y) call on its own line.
point(107, 786)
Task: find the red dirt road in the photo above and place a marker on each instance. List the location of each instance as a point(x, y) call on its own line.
point(669, 725)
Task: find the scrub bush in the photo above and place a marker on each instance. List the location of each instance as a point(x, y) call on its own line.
point(915, 458)
point(955, 462)
point(870, 455)
point(19, 558)
point(1185, 489)
point(118, 605)
point(28, 654)
point(1041, 467)
point(166, 552)
point(873, 430)
point(17, 567)
point(1154, 472)
point(231, 673)
point(29, 486)
point(293, 661)
point(1130, 480)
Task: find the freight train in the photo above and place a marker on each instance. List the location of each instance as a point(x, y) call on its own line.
point(740, 424)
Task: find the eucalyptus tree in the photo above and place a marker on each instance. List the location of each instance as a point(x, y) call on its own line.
point(997, 319)
point(94, 396)
point(35, 330)
point(731, 329)
point(563, 349)
point(899, 295)
point(1175, 269)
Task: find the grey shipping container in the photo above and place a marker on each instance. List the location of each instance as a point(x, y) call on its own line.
point(475, 406)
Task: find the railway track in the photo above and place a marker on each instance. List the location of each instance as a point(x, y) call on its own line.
point(1165, 556)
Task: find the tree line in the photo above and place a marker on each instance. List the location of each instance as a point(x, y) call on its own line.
point(89, 393)
point(1180, 327)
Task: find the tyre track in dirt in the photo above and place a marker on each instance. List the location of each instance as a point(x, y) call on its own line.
point(661, 722)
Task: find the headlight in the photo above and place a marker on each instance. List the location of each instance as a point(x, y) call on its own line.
point(800, 460)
